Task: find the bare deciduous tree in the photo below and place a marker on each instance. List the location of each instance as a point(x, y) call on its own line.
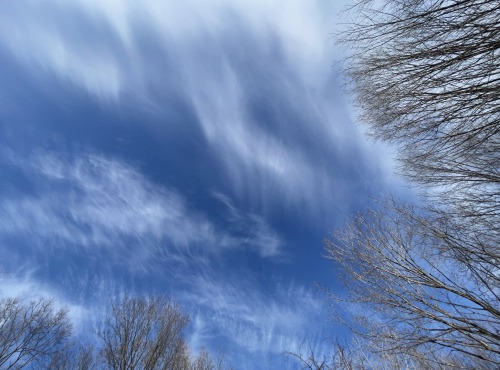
point(359, 356)
point(31, 333)
point(76, 357)
point(205, 362)
point(417, 297)
point(426, 75)
point(145, 333)
point(339, 357)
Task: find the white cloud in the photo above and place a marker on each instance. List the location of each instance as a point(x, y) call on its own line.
point(97, 202)
point(67, 37)
point(260, 164)
point(252, 230)
point(254, 321)
point(26, 288)
point(43, 35)
point(102, 49)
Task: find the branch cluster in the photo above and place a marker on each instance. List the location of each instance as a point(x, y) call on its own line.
point(426, 75)
point(140, 333)
point(426, 281)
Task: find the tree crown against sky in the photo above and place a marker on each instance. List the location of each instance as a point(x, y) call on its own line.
point(426, 77)
point(425, 301)
point(31, 334)
point(145, 333)
point(139, 333)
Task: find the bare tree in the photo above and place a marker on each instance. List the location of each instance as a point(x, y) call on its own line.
point(145, 333)
point(31, 333)
point(340, 357)
point(359, 356)
point(426, 75)
point(417, 297)
point(77, 356)
point(204, 361)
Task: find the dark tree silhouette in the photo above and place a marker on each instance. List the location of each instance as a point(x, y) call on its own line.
point(418, 299)
point(426, 77)
point(145, 333)
point(31, 333)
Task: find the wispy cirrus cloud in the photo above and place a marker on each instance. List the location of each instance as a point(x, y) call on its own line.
point(257, 75)
point(237, 97)
point(230, 309)
point(25, 287)
point(42, 34)
point(263, 323)
point(95, 202)
point(108, 210)
point(251, 229)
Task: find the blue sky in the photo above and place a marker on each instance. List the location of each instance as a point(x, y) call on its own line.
point(199, 149)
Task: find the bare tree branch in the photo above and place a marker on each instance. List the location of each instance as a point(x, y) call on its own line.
point(426, 75)
point(31, 333)
point(145, 333)
point(403, 269)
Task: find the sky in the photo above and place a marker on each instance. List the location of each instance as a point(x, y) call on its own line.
point(198, 149)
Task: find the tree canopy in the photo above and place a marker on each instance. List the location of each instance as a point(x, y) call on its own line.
point(139, 333)
point(425, 75)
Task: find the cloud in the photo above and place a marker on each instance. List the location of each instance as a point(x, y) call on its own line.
point(223, 58)
point(27, 288)
point(251, 229)
point(252, 317)
point(260, 322)
point(94, 202)
point(107, 56)
point(97, 201)
point(43, 35)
